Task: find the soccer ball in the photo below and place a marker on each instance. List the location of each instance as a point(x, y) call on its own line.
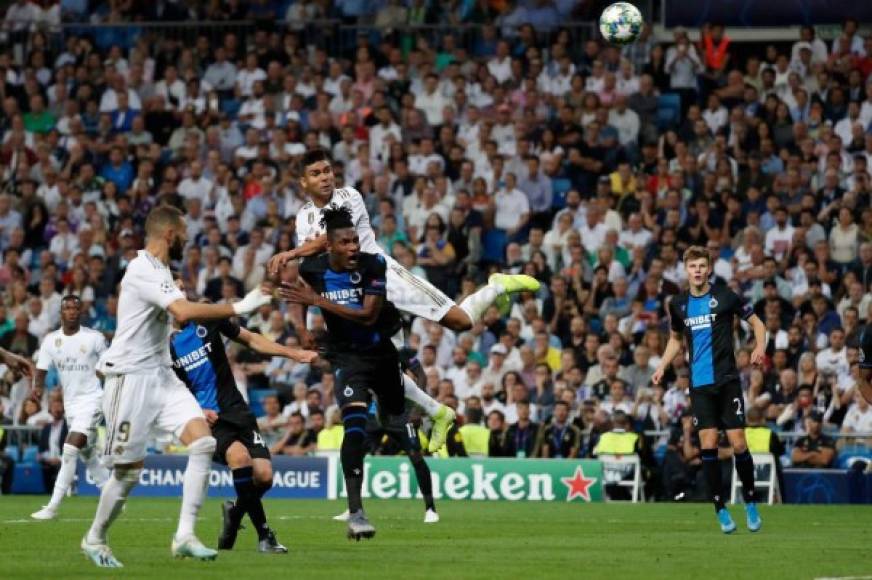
point(620, 23)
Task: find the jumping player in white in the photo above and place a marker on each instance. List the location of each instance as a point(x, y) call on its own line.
point(142, 392)
point(406, 291)
point(73, 350)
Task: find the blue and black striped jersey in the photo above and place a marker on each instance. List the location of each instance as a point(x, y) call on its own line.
point(707, 325)
point(349, 288)
point(200, 361)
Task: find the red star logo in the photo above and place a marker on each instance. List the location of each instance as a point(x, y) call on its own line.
point(578, 485)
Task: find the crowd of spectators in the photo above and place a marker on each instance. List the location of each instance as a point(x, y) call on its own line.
point(516, 150)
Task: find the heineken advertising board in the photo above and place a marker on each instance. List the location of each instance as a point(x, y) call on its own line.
point(484, 479)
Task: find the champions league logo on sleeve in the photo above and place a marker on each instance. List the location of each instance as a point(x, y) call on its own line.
point(167, 287)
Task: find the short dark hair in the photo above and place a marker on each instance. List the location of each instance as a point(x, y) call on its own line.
point(314, 156)
point(71, 298)
point(162, 217)
point(336, 217)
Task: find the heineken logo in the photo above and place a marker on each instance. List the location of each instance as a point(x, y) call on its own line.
point(578, 485)
point(485, 479)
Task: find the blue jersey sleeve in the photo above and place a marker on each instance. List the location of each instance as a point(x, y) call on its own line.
point(375, 277)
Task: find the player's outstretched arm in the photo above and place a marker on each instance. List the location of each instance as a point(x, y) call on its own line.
point(303, 294)
point(309, 248)
point(17, 363)
point(673, 347)
point(263, 345)
point(185, 311)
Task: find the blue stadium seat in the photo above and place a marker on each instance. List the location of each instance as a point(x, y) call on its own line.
point(849, 455)
point(668, 110)
point(660, 453)
point(14, 453)
point(30, 454)
point(255, 400)
point(494, 246)
point(560, 186)
point(230, 107)
point(28, 479)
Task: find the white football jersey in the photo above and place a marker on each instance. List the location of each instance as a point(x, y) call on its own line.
point(309, 220)
point(75, 358)
point(141, 340)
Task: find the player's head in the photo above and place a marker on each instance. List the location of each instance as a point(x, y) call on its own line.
point(697, 264)
point(167, 224)
point(343, 241)
point(316, 174)
point(71, 310)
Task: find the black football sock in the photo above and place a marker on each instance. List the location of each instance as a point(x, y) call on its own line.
point(248, 499)
point(425, 482)
point(351, 454)
point(711, 466)
point(745, 470)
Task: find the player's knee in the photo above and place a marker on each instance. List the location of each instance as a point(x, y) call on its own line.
point(203, 446)
point(416, 457)
point(354, 419)
point(127, 475)
point(456, 320)
point(263, 475)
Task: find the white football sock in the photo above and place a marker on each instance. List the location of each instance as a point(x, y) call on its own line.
point(65, 475)
point(476, 303)
point(195, 484)
point(112, 499)
point(419, 397)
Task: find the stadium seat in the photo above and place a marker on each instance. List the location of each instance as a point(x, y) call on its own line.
point(494, 245)
point(848, 456)
point(28, 479)
point(230, 107)
point(560, 187)
point(255, 399)
point(668, 111)
point(14, 453)
point(30, 454)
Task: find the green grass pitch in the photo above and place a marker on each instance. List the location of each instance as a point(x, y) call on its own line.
point(493, 540)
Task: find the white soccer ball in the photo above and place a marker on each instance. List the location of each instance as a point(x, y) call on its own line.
point(620, 23)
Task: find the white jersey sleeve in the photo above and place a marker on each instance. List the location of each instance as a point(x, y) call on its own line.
point(43, 359)
point(351, 198)
point(157, 290)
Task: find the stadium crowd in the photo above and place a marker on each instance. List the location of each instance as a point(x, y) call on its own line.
point(521, 149)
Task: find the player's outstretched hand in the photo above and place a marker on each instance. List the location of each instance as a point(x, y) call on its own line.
point(17, 364)
point(303, 356)
point(277, 262)
point(298, 293)
point(657, 376)
point(211, 416)
point(758, 354)
point(253, 300)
